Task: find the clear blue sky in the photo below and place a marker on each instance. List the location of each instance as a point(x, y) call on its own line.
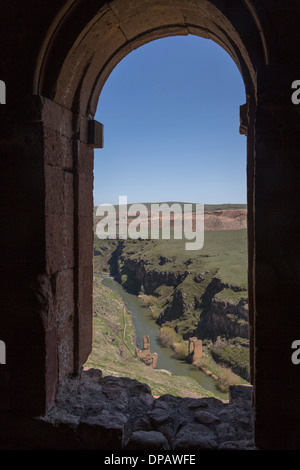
point(170, 111)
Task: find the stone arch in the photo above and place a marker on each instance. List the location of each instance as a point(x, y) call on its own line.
point(81, 48)
point(66, 51)
point(85, 42)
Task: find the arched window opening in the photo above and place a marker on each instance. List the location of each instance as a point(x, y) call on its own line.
point(67, 51)
point(166, 315)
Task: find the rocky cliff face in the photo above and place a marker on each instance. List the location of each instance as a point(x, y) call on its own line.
point(225, 319)
point(139, 275)
point(225, 219)
point(195, 306)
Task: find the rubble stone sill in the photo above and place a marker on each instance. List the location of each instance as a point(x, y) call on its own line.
point(119, 413)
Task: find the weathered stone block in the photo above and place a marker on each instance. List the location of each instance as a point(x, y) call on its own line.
point(85, 195)
point(195, 437)
point(58, 118)
point(65, 347)
point(58, 150)
point(240, 392)
point(54, 197)
point(104, 431)
point(85, 313)
point(85, 241)
point(205, 417)
point(64, 297)
point(59, 242)
point(147, 440)
point(85, 163)
point(68, 193)
point(51, 366)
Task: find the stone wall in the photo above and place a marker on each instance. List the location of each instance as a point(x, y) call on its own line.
point(145, 355)
point(195, 349)
point(110, 413)
point(55, 58)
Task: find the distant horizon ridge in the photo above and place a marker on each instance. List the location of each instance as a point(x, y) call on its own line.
point(178, 202)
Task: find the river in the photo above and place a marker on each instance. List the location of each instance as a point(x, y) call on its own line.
point(145, 326)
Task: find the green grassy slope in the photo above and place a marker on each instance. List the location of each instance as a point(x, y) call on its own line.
point(187, 307)
point(224, 253)
point(114, 348)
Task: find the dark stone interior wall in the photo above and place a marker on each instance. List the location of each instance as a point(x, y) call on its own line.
point(46, 186)
point(277, 230)
point(47, 250)
point(68, 170)
point(22, 257)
